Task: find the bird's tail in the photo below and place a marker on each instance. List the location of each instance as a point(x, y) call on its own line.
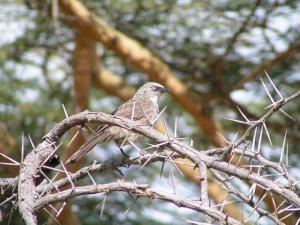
point(86, 147)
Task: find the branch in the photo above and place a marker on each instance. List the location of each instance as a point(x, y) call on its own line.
point(241, 29)
point(140, 57)
point(32, 163)
point(290, 52)
point(138, 190)
point(83, 172)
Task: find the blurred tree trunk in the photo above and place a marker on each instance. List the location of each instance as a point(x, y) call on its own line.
point(86, 64)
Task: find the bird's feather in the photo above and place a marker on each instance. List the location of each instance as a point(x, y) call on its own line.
point(87, 146)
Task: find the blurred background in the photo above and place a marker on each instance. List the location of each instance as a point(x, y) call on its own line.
point(211, 54)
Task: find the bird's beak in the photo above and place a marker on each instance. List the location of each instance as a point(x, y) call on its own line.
point(163, 90)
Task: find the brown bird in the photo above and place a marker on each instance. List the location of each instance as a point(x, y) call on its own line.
point(142, 107)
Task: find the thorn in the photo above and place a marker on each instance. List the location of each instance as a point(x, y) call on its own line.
point(131, 205)
point(65, 111)
point(159, 114)
point(278, 92)
point(94, 182)
point(31, 142)
point(283, 147)
point(52, 153)
point(50, 181)
point(243, 115)
point(54, 169)
point(254, 140)
point(267, 132)
point(43, 192)
point(166, 127)
point(22, 148)
point(103, 205)
point(61, 209)
point(260, 138)
point(283, 218)
point(234, 137)
point(238, 121)
point(148, 160)
point(287, 154)
point(133, 110)
point(67, 173)
point(223, 138)
point(137, 148)
point(286, 114)
point(156, 145)
point(10, 159)
point(9, 164)
point(268, 93)
point(174, 163)
point(125, 139)
point(73, 138)
point(171, 176)
point(51, 216)
point(54, 209)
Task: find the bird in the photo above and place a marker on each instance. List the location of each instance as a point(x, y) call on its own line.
point(142, 108)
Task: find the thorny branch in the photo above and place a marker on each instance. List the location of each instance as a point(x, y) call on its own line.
point(33, 196)
point(138, 190)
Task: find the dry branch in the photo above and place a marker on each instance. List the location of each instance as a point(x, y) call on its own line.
point(32, 197)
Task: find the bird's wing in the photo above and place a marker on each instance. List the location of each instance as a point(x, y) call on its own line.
point(139, 110)
point(142, 110)
point(87, 146)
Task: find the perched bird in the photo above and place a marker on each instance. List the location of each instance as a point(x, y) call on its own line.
point(142, 108)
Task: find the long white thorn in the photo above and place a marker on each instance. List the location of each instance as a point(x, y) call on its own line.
point(278, 92)
point(10, 159)
point(159, 114)
point(243, 115)
point(67, 173)
point(287, 154)
point(61, 209)
point(223, 138)
point(31, 142)
point(133, 110)
point(22, 148)
point(52, 153)
point(174, 163)
point(73, 138)
point(235, 136)
point(92, 179)
point(237, 121)
point(148, 160)
point(268, 93)
point(103, 205)
point(136, 147)
point(283, 147)
point(287, 115)
point(254, 140)
point(65, 111)
point(167, 130)
point(260, 138)
point(267, 132)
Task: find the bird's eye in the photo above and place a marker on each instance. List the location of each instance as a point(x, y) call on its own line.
point(154, 88)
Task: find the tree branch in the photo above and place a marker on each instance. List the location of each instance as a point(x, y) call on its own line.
point(138, 190)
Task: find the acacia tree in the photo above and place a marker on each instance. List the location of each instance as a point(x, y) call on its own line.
point(202, 62)
point(31, 196)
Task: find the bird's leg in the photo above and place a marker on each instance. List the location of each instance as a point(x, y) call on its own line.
point(123, 153)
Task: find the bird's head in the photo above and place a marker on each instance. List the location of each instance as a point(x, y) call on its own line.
point(151, 90)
